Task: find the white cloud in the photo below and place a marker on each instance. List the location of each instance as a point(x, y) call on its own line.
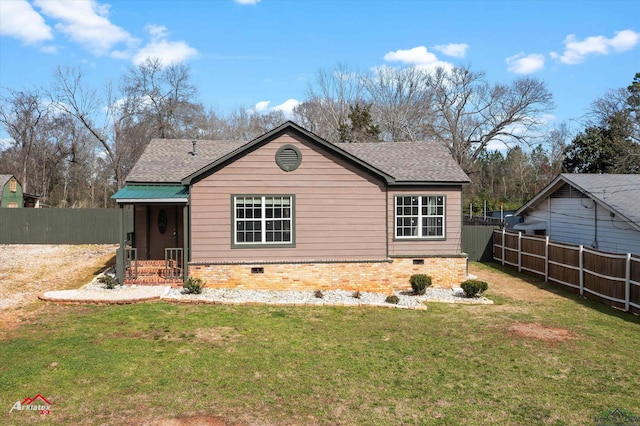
point(457, 50)
point(261, 106)
point(287, 107)
point(157, 31)
point(87, 23)
point(624, 40)
point(247, 1)
point(525, 64)
point(416, 56)
point(419, 57)
point(19, 20)
point(168, 52)
point(547, 119)
point(496, 145)
point(575, 50)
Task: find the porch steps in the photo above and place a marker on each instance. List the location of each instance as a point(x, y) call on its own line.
point(153, 281)
point(152, 272)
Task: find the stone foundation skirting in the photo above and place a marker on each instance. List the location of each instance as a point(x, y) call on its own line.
point(380, 276)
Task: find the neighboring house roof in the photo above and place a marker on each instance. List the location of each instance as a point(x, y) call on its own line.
point(3, 181)
point(172, 160)
point(620, 193)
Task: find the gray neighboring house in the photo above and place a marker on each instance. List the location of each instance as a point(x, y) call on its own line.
point(289, 210)
point(601, 211)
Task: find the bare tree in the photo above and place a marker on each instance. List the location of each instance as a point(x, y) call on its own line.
point(243, 124)
point(329, 101)
point(621, 105)
point(401, 100)
point(213, 126)
point(24, 117)
point(60, 157)
point(467, 113)
point(164, 98)
point(71, 95)
point(309, 114)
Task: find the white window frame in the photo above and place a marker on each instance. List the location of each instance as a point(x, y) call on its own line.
point(418, 217)
point(264, 221)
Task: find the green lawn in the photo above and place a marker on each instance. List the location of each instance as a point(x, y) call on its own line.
point(450, 364)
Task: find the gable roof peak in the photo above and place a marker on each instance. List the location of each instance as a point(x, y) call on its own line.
point(172, 160)
point(620, 193)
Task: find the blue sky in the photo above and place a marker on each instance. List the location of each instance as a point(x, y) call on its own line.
point(262, 54)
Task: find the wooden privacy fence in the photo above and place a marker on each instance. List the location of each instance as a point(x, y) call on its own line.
point(610, 278)
point(62, 226)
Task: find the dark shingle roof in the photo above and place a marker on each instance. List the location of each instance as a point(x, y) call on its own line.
point(620, 192)
point(409, 161)
point(172, 161)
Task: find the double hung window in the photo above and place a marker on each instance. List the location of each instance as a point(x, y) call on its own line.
point(263, 219)
point(420, 216)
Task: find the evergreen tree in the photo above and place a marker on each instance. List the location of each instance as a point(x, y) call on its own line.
point(361, 127)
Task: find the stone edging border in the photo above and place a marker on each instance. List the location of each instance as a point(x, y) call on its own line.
point(290, 304)
point(462, 301)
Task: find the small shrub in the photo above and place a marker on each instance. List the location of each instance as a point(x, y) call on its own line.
point(192, 286)
point(393, 299)
point(473, 288)
point(356, 295)
point(318, 294)
point(419, 283)
point(109, 281)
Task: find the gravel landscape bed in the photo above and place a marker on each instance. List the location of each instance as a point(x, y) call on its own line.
point(329, 297)
point(97, 292)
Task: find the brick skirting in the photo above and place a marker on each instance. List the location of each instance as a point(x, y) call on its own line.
point(381, 276)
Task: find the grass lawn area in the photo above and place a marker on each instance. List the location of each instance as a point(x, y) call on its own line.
point(537, 356)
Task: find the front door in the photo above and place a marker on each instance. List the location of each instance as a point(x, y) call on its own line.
point(158, 227)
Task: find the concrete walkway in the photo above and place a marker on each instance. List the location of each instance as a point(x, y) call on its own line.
point(119, 295)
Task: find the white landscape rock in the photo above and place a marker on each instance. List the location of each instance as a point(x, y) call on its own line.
point(97, 292)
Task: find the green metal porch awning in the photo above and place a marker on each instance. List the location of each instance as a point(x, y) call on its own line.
point(152, 194)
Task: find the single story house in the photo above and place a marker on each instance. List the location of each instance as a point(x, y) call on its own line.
point(10, 192)
point(601, 211)
point(289, 210)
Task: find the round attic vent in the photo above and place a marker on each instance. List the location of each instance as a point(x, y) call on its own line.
point(288, 158)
